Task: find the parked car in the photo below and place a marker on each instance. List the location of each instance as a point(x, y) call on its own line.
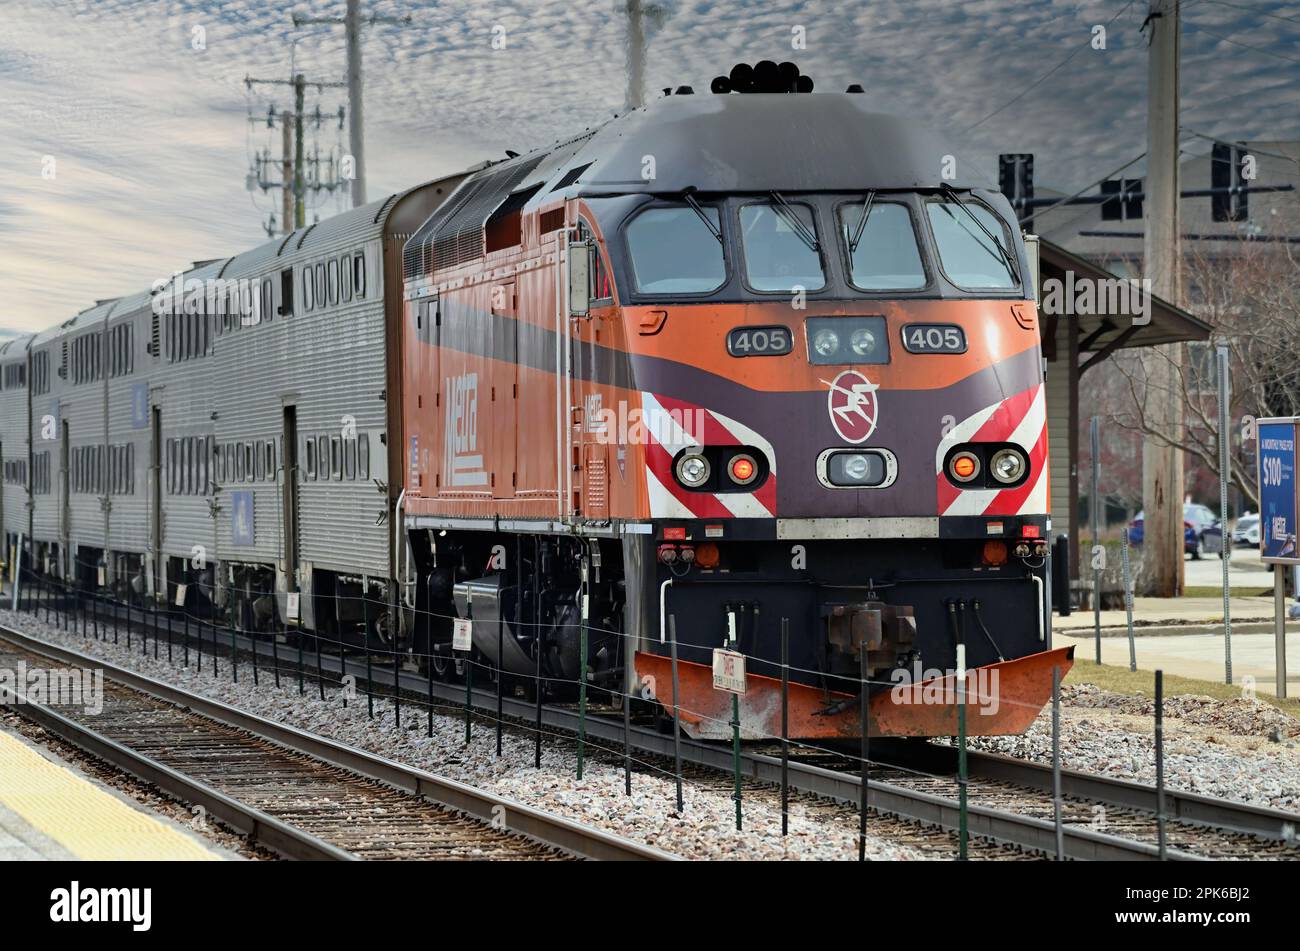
point(1198, 520)
point(1246, 531)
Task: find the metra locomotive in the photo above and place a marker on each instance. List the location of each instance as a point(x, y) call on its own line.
point(728, 364)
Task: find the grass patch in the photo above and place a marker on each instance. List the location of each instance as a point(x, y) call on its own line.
point(1143, 683)
point(1207, 591)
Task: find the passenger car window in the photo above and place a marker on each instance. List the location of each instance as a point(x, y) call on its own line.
point(673, 252)
point(777, 258)
point(886, 256)
point(968, 257)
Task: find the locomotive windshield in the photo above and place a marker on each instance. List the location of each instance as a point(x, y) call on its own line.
point(886, 256)
point(832, 246)
point(780, 247)
point(674, 252)
point(969, 257)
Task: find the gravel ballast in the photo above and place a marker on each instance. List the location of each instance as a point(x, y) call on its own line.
point(705, 830)
point(1243, 750)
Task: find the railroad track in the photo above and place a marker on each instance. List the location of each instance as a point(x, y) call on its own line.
point(303, 796)
point(1010, 800)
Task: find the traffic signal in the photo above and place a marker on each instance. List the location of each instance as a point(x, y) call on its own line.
point(1225, 174)
point(1123, 199)
point(1016, 181)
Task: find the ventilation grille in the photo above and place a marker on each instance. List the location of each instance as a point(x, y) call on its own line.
point(451, 239)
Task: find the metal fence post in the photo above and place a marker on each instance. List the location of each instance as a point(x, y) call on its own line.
point(469, 665)
point(863, 704)
point(1128, 604)
point(962, 824)
point(501, 646)
point(677, 726)
point(1160, 763)
point(1094, 512)
point(1225, 478)
point(582, 677)
point(785, 726)
point(1056, 763)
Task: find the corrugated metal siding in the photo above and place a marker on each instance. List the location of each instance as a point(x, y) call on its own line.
point(129, 515)
point(1059, 422)
point(330, 364)
point(13, 436)
point(183, 391)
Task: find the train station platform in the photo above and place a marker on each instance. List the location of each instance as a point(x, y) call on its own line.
point(51, 812)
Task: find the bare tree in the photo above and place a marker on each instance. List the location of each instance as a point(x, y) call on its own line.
point(1251, 297)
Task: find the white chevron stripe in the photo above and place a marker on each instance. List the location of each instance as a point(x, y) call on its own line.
point(962, 432)
point(1026, 435)
point(1036, 501)
point(663, 504)
point(742, 505)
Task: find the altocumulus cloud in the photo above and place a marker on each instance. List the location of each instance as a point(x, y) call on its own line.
point(151, 140)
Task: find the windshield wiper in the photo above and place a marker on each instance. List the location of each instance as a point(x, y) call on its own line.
point(862, 225)
point(951, 194)
point(688, 196)
point(788, 215)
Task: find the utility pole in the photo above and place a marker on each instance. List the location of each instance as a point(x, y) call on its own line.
point(352, 23)
point(287, 165)
point(638, 13)
point(293, 182)
point(635, 56)
point(299, 206)
point(1162, 460)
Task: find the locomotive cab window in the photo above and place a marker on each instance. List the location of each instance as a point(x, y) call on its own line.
point(779, 241)
point(970, 257)
point(599, 284)
point(883, 253)
point(674, 252)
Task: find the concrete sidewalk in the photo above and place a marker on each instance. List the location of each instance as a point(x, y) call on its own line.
point(1198, 655)
point(1153, 616)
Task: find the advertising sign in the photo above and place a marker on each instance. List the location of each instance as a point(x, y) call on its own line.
point(1277, 491)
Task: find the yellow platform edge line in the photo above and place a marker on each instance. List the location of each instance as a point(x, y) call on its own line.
point(88, 821)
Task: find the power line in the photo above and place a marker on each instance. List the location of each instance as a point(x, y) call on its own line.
point(1261, 13)
point(1047, 75)
point(1245, 46)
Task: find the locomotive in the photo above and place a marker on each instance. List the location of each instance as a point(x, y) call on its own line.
point(729, 366)
point(747, 370)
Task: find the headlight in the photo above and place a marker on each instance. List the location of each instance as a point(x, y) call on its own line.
point(1008, 465)
point(862, 342)
point(826, 343)
point(692, 470)
point(847, 469)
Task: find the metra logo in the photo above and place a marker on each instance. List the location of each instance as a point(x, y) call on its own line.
point(73, 904)
point(462, 460)
point(852, 406)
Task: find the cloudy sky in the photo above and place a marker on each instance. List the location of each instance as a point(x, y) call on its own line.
point(125, 137)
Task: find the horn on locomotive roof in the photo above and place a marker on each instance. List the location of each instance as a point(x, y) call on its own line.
point(764, 76)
